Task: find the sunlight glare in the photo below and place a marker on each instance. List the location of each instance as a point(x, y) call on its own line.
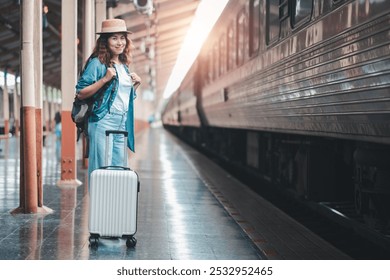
point(196, 35)
point(10, 79)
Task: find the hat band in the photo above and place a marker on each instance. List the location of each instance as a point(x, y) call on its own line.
point(113, 30)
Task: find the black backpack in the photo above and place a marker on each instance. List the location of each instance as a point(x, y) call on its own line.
point(81, 109)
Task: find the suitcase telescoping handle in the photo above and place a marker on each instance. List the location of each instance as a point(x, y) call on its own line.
point(125, 134)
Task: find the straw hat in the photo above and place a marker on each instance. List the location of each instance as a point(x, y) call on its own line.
point(115, 25)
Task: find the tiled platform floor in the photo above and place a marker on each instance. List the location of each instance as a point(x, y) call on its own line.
point(179, 218)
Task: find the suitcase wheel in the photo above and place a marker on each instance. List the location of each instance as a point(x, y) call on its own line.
point(94, 241)
point(131, 241)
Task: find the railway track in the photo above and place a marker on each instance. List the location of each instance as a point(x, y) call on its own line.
point(336, 223)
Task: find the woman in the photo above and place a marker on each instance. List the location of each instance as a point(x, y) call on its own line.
point(58, 132)
point(106, 79)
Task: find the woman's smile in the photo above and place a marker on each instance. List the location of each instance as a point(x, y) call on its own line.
point(117, 43)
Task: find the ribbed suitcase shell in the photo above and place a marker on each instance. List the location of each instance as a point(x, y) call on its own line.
point(113, 202)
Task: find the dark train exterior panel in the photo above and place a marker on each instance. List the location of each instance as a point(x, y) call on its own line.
point(171, 111)
point(296, 95)
point(181, 108)
point(331, 78)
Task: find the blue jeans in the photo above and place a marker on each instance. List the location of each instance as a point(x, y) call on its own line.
point(97, 141)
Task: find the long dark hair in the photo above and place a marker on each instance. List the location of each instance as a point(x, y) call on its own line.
point(104, 54)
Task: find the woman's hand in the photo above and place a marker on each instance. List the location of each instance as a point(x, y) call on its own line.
point(109, 74)
point(135, 79)
point(92, 89)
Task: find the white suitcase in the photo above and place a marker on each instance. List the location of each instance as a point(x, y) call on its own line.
point(113, 200)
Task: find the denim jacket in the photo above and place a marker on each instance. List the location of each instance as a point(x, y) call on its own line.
point(93, 72)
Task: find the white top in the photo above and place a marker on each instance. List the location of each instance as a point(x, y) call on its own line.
point(121, 101)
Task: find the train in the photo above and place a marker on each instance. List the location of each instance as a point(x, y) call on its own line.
point(298, 93)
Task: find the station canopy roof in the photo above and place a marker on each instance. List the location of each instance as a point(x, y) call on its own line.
point(157, 37)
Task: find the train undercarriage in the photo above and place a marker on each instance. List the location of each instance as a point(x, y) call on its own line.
point(317, 169)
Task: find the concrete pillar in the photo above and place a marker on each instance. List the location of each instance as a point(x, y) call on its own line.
point(58, 101)
point(50, 106)
point(110, 13)
point(93, 13)
point(29, 160)
point(38, 82)
point(16, 106)
point(68, 82)
point(100, 14)
point(88, 39)
point(28, 110)
point(6, 104)
point(45, 110)
point(89, 30)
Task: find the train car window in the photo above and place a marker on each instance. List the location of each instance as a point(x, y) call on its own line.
point(254, 26)
point(283, 9)
point(241, 38)
point(216, 60)
point(231, 50)
point(301, 11)
point(210, 68)
point(246, 32)
point(222, 55)
point(337, 3)
point(272, 21)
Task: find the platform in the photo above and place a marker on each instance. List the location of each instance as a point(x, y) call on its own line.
point(189, 208)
